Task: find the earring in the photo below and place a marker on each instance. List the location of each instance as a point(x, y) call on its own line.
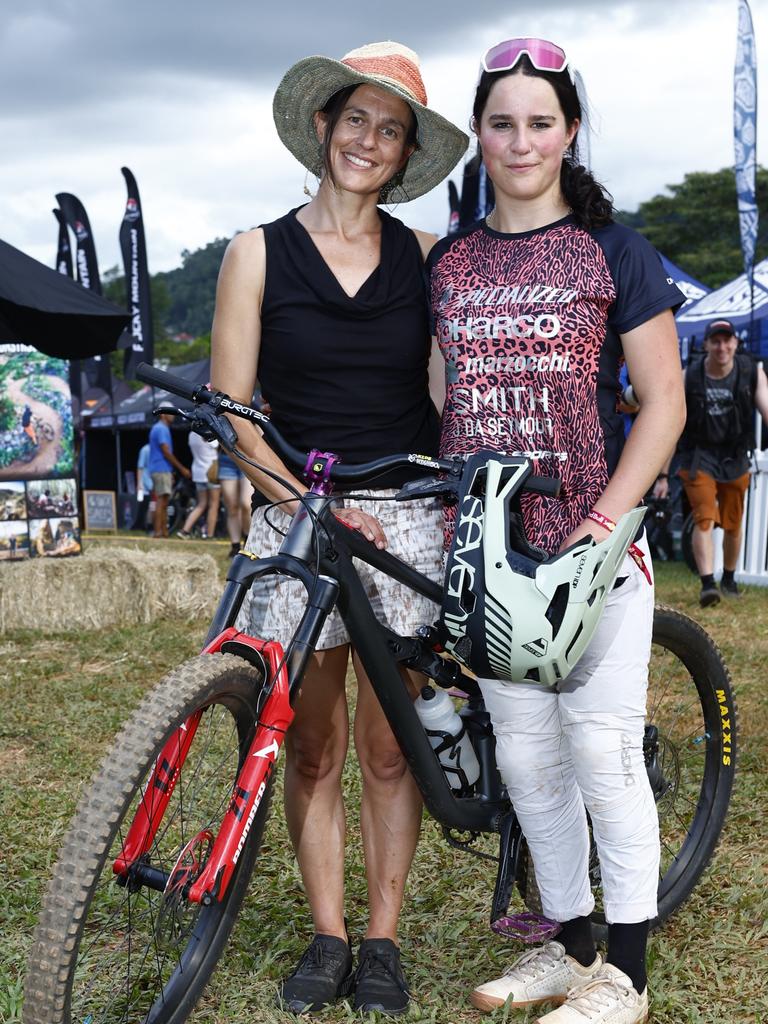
point(316, 172)
point(393, 193)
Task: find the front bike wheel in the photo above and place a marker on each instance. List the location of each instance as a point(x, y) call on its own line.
point(690, 757)
point(106, 952)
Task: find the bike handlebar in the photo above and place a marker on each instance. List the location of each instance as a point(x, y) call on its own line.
point(357, 474)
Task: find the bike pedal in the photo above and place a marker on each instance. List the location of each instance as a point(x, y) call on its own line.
point(527, 927)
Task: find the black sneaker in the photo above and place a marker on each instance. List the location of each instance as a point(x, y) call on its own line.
point(729, 588)
point(323, 974)
point(709, 595)
point(379, 980)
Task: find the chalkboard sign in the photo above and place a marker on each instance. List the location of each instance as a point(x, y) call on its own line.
point(100, 511)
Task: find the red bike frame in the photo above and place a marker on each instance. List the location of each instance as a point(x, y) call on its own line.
point(250, 786)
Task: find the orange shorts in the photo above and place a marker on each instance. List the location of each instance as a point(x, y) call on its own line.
point(714, 501)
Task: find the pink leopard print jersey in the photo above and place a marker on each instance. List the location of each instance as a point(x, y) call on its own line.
point(529, 326)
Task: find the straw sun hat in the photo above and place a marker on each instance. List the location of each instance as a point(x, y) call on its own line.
point(308, 85)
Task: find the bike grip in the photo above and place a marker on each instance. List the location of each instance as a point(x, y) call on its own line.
point(166, 381)
point(549, 486)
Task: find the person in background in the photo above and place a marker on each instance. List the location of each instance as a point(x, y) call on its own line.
point(161, 464)
point(207, 492)
point(143, 488)
point(327, 305)
point(535, 308)
point(236, 493)
point(722, 390)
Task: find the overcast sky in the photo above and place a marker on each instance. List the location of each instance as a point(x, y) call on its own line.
point(180, 91)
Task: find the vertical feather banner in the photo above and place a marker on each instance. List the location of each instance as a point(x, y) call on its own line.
point(745, 133)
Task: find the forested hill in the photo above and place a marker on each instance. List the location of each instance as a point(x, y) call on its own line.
point(191, 289)
point(695, 224)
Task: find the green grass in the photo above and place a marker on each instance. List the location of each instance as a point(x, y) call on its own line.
point(64, 696)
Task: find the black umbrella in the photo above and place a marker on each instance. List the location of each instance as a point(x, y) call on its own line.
point(51, 312)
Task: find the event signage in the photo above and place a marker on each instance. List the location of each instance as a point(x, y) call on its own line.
point(99, 510)
point(85, 254)
point(134, 250)
point(745, 133)
point(64, 266)
point(38, 494)
point(63, 249)
point(97, 368)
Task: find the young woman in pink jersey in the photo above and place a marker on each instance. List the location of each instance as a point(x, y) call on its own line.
point(536, 308)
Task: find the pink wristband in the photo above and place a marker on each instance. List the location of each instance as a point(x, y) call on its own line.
point(634, 551)
point(604, 521)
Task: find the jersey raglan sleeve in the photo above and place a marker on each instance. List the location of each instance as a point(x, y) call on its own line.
point(643, 288)
point(433, 258)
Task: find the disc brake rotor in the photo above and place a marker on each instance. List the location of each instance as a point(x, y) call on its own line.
point(176, 914)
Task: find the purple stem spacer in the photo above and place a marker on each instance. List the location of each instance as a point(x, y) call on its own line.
point(526, 927)
point(317, 471)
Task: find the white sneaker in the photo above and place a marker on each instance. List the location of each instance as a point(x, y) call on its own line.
point(609, 998)
point(544, 975)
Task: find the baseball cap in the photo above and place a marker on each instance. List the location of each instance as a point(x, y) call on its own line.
point(719, 327)
point(164, 406)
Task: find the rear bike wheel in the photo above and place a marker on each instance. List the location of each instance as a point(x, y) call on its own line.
point(690, 757)
point(180, 504)
point(105, 951)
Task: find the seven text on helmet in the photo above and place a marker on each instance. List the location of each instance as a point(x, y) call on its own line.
point(469, 537)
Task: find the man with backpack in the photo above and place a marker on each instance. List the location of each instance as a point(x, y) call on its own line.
point(722, 391)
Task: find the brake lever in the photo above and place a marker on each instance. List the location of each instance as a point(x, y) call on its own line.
point(212, 427)
point(431, 487)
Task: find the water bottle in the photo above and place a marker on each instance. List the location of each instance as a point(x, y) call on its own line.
point(448, 737)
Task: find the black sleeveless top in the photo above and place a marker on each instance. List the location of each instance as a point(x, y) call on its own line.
point(347, 375)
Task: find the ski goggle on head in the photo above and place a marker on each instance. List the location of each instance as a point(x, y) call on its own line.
point(544, 56)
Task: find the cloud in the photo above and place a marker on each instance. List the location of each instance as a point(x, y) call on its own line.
point(180, 91)
point(71, 52)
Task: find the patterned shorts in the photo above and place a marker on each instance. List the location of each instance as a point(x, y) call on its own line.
point(414, 532)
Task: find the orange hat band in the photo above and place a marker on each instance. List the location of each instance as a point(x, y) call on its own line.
point(396, 69)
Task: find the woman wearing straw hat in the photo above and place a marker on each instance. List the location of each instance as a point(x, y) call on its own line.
point(328, 306)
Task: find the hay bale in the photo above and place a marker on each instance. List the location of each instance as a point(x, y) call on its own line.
point(107, 587)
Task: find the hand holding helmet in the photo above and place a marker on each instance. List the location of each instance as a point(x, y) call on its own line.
point(509, 612)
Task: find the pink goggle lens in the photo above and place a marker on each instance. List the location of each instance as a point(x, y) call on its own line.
point(544, 56)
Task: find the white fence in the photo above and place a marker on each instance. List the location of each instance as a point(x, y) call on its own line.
point(753, 561)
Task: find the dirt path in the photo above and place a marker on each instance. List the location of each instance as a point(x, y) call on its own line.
point(45, 458)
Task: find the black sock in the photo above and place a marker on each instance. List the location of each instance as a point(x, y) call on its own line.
point(626, 950)
point(728, 575)
point(707, 581)
point(576, 936)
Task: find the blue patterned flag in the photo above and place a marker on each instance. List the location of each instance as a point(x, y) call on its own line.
point(745, 133)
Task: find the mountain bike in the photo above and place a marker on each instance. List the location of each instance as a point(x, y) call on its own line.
point(155, 866)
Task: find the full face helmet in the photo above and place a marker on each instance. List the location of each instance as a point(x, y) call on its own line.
point(510, 612)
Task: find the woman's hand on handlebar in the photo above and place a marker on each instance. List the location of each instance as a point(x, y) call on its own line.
point(366, 524)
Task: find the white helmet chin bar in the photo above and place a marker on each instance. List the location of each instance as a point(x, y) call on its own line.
point(509, 612)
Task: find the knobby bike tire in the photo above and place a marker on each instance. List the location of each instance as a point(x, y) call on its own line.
point(178, 510)
point(102, 953)
point(691, 764)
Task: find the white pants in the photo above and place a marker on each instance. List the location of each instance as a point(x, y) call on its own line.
point(558, 752)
